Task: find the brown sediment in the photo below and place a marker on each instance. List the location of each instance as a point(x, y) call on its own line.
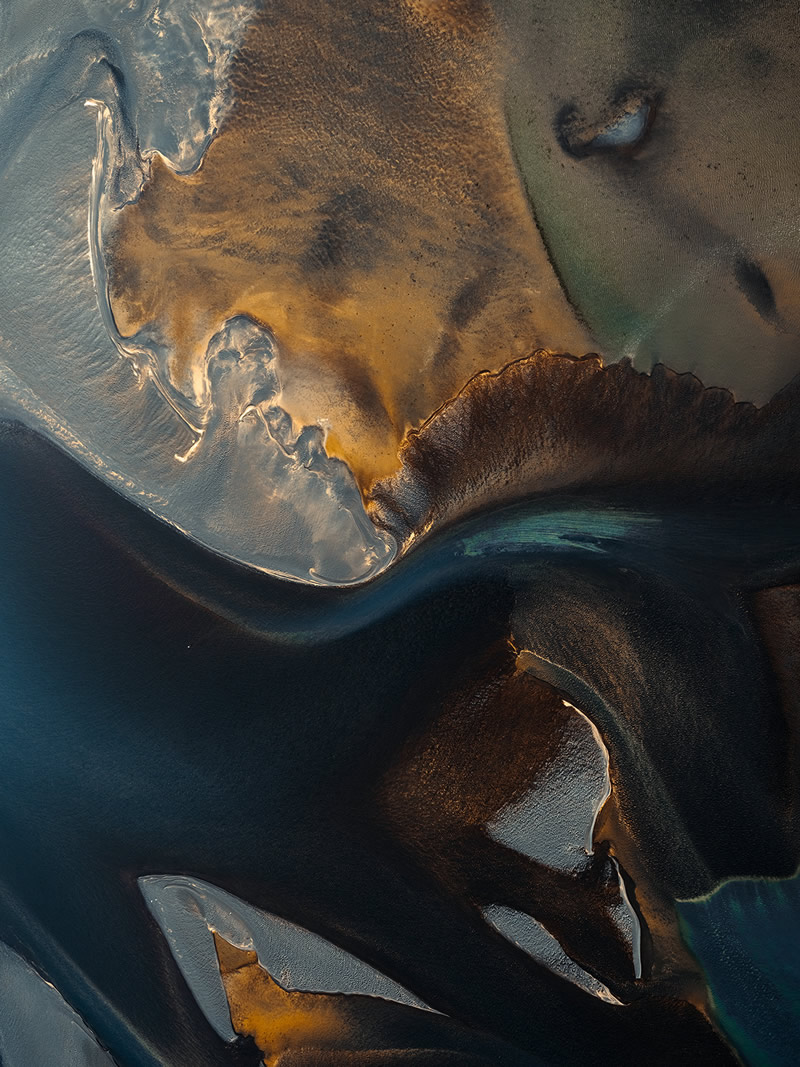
point(550, 423)
point(668, 965)
point(460, 16)
point(362, 202)
point(317, 1028)
point(275, 1019)
point(465, 768)
point(498, 732)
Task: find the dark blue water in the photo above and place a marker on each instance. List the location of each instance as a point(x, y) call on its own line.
point(165, 711)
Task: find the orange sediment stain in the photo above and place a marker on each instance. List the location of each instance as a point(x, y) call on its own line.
point(363, 203)
point(275, 1019)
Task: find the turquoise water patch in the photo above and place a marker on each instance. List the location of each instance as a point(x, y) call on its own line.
point(746, 936)
point(589, 530)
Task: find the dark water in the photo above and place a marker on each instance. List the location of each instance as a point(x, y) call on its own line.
point(165, 711)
